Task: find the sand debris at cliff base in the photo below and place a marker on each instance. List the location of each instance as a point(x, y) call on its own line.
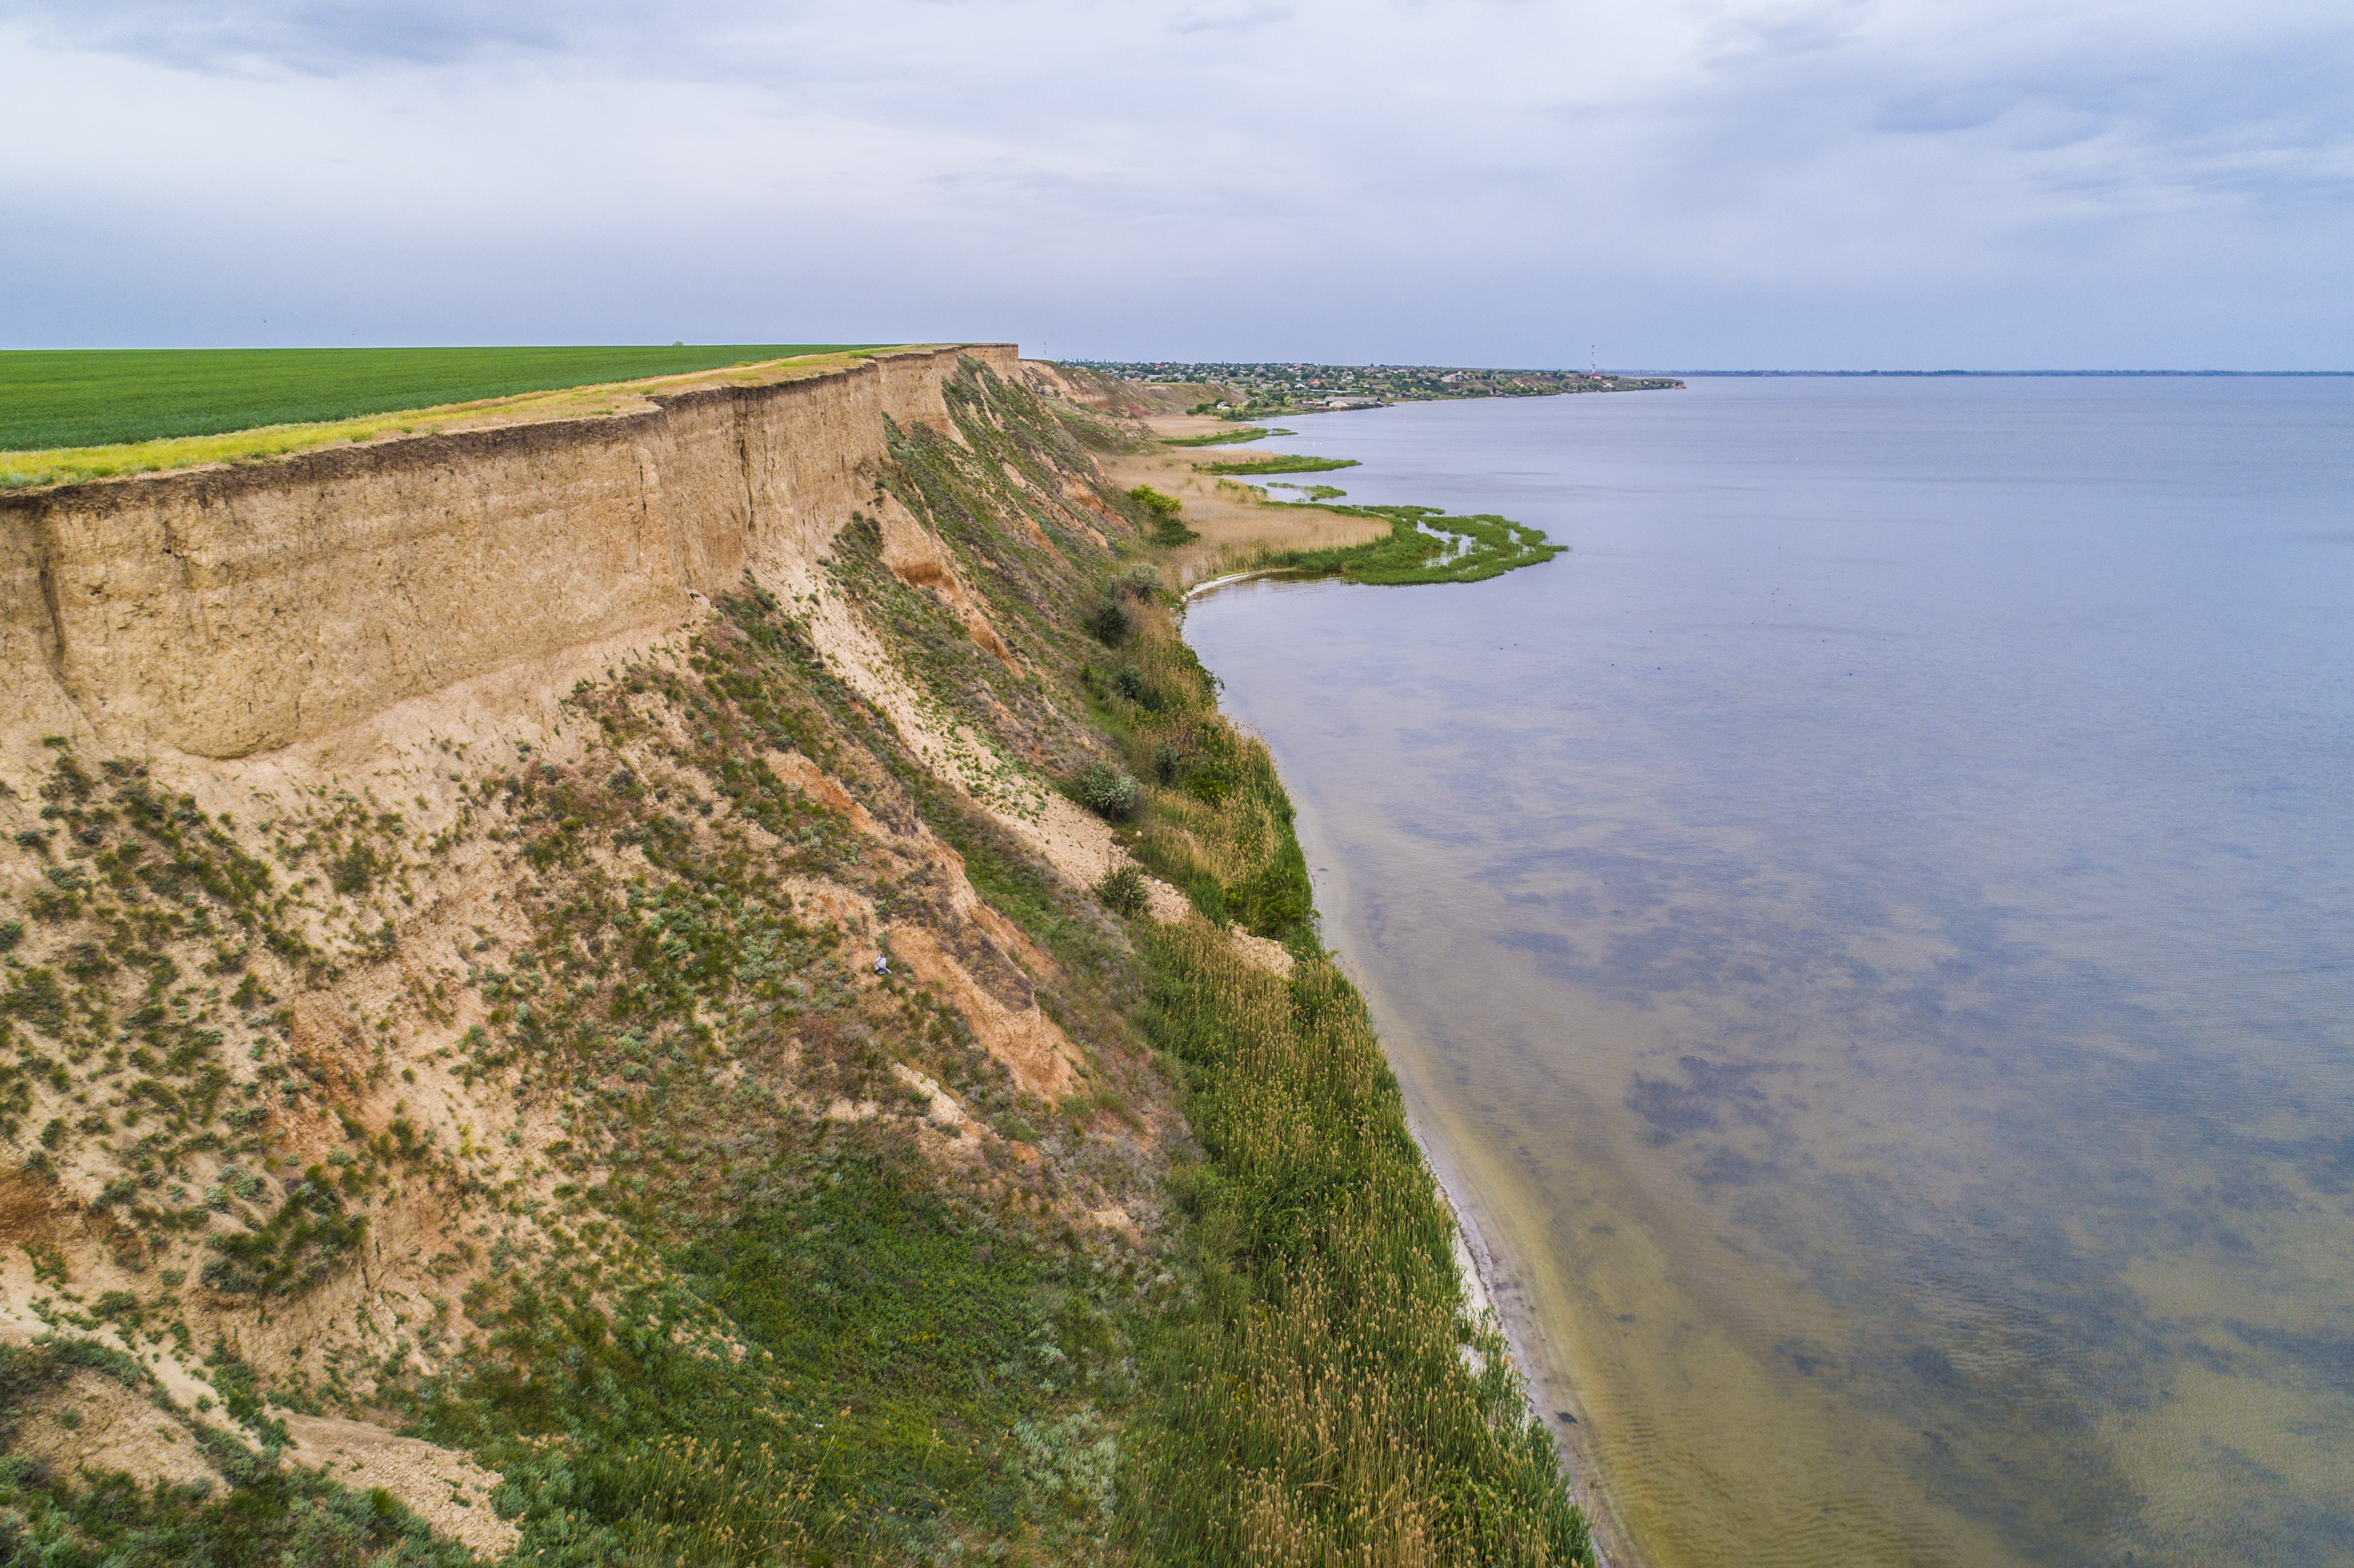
point(90, 1422)
point(1261, 953)
point(444, 1488)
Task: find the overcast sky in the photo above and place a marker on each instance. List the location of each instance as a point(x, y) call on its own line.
point(1745, 183)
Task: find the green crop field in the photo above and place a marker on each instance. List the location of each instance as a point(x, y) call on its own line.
point(87, 397)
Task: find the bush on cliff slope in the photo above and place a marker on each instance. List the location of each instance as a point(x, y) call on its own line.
point(1104, 790)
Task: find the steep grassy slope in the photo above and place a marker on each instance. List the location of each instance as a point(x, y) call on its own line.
point(726, 1113)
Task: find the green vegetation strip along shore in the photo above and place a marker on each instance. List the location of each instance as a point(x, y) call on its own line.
point(52, 398)
point(1424, 545)
point(1313, 1400)
point(738, 1331)
point(1318, 1403)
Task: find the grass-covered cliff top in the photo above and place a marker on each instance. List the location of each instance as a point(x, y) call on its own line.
point(68, 415)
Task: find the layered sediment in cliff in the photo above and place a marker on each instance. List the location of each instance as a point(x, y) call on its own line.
point(225, 612)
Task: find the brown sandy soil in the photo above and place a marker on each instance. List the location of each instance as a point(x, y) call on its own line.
point(1261, 953)
point(1011, 1027)
point(90, 1422)
point(1075, 842)
point(916, 557)
point(1231, 515)
point(1034, 1049)
point(446, 1489)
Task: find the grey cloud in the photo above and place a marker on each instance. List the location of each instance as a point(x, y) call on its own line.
point(311, 37)
point(2188, 117)
point(1743, 43)
point(1943, 109)
point(1231, 19)
point(1720, 182)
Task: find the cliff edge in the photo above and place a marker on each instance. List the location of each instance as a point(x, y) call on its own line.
point(225, 612)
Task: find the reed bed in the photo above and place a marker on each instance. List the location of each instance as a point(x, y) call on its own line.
point(694, 1503)
point(1327, 1400)
point(1218, 824)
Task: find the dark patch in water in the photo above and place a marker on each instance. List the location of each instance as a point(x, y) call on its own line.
point(1693, 1106)
point(2328, 1162)
point(1935, 1368)
point(2324, 1359)
point(1806, 1357)
point(1727, 1167)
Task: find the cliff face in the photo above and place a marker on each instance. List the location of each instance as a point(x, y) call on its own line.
point(228, 612)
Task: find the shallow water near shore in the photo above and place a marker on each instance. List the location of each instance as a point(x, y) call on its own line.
point(1871, 933)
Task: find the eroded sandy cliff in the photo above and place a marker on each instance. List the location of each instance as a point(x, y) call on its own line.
point(228, 612)
point(255, 720)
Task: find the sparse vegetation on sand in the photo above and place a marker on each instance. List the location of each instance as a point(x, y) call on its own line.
point(1277, 465)
point(1224, 437)
point(52, 398)
point(269, 1512)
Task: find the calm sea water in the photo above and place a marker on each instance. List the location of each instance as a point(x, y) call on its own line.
point(1871, 930)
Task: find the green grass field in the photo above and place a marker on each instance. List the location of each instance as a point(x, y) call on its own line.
point(87, 397)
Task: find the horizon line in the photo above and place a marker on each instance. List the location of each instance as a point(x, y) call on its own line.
point(2177, 372)
point(1174, 362)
